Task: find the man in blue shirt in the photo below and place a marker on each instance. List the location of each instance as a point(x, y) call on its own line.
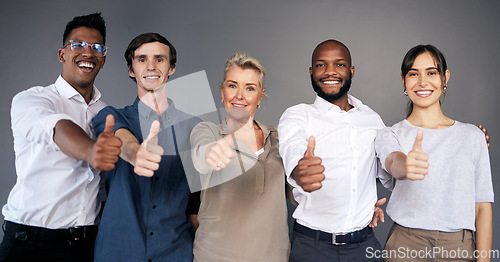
point(149, 201)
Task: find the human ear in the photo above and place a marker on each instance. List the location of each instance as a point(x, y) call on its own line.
point(172, 70)
point(60, 55)
point(131, 72)
point(447, 75)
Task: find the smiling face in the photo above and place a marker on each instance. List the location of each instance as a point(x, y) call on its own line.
point(423, 82)
point(241, 90)
point(151, 67)
point(331, 70)
point(81, 69)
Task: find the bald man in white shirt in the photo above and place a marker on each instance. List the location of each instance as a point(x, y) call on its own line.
point(329, 158)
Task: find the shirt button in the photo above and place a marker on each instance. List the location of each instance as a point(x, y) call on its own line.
point(154, 206)
point(157, 178)
point(151, 233)
point(354, 190)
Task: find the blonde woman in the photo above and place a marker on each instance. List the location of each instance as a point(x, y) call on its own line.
point(243, 213)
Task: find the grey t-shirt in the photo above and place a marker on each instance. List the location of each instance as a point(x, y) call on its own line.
point(459, 176)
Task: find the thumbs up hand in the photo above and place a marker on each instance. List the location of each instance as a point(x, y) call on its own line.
point(309, 172)
point(220, 154)
point(416, 160)
point(106, 148)
point(148, 156)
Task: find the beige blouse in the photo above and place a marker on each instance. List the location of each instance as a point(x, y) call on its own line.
point(243, 212)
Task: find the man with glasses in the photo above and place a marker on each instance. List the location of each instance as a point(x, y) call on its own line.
point(51, 213)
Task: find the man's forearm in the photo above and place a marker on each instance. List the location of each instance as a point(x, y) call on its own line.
point(72, 140)
point(130, 145)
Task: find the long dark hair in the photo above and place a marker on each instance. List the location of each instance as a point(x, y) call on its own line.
point(410, 59)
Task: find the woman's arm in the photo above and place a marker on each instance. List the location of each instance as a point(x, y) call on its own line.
point(413, 166)
point(484, 230)
point(395, 163)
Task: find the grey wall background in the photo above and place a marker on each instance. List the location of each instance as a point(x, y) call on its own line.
point(282, 34)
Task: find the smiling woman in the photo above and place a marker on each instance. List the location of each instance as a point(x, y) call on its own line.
point(243, 213)
point(442, 167)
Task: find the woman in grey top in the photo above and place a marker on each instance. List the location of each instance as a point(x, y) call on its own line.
point(243, 213)
point(444, 190)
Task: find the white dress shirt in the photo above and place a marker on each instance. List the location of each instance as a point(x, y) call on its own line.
point(52, 190)
point(345, 143)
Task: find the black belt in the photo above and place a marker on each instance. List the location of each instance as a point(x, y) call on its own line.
point(336, 239)
point(25, 232)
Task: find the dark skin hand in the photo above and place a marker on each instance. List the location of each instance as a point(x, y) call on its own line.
point(485, 134)
point(102, 154)
point(309, 172)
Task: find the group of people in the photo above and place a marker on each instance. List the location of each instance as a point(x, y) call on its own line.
point(330, 152)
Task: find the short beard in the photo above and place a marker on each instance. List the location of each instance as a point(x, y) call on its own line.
point(331, 97)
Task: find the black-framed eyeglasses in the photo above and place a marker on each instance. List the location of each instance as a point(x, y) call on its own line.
point(81, 46)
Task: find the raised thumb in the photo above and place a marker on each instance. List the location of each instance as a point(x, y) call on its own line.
point(109, 125)
point(417, 146)
point(153, 133)
point(311, 144)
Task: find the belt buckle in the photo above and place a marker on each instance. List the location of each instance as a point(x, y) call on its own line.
point(74, 231)
point(334, 239)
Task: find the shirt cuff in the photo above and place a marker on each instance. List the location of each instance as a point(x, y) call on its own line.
point(48, 124)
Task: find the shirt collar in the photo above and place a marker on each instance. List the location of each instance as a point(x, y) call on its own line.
point(67, 91)
point(324, 106)
point(145, 111)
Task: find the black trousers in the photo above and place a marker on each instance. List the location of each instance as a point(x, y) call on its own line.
point(305, 248)
point(28, 243)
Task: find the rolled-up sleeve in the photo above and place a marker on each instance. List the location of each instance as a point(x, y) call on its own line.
point(484, 184)
point(99, 121)
point(34, 117)
point(292, 131)
point(386, 143)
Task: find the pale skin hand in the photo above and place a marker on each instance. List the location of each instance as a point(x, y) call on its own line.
point(416, 161)
point(219, 154)
point(484, 230)
point(145, 157)
point(309, 172)
point(102, 154)
point(413, 166)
